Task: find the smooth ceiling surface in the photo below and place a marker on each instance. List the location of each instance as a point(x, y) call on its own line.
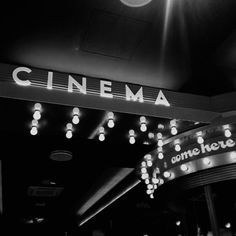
point(177, 45)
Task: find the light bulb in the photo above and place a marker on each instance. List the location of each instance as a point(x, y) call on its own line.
point(69, 126)
point(35, 123)
point(149, 191)
point(150, 186)
point(200, 139)
point(143, 119)
point(207, 161)
point(143, 163)
point(155, 180)
point(110, 123)
point(69, 134)
point(151, 196)
point(148, 157)
point(101, 137)
point(76, 111)
point(110, 115)
point(160, 155)
point(228, 133)
point(131, 140)
point(75, 119)
point(149, 163)
point(143, 127)
point(144, 176)
point(143, 170)
point(177, 147)
point(160, 143)
point(37, 115)
point(33, 130)
point(174, 130)
point(228, 225)
point(151, 135)
point(131, 132)
point(161, 181)
point(178, 223)
point(147, 181)
point(184, 167)
point(167, 174)
point(37, 106)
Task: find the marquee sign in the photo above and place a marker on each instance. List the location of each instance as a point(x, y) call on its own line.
point(28, 83)
point(211, 147)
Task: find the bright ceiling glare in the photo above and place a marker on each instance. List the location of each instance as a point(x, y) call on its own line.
point(135, 3)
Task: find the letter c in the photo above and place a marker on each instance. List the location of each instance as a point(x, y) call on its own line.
point(19, 81)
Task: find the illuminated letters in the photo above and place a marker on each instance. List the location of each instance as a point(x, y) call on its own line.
point(72, 81)
point(130, 96)
point(19, 81)
point(105, 89)
point(161, 99)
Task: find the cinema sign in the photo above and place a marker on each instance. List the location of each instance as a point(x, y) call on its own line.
point(24, 76)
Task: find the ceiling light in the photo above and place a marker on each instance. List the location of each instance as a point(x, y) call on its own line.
point(173, 128)
point(228, 225)
point(178, 223)
point(69, 128)
point(167, 174)
point(143, 123)
point(101, 136)
point(227, 131)
point(135, 3)
point(37, 111)
point(177, 145)
point(200, 139)
point(111, 122)
point(76, 112)
point(184, 167)
point(131, 136)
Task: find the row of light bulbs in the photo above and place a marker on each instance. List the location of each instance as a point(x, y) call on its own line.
point(36, 118)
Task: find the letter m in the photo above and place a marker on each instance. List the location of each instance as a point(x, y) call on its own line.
point(134, 97)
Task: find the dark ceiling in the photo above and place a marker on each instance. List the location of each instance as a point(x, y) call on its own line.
point(189, 46)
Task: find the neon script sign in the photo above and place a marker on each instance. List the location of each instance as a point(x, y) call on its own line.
point(80, 84)
point(204, 149)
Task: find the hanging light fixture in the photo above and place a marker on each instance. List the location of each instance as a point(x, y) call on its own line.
point(160, 153)
point(159, 140)
point(69, 129)
point(131, 136)
point(75, 114)
point(177, 145)
point(34, 127)
point(173, 127)
point(143, 124)
point(227, 131)
point(200, 138)
point(37, 111)
point(101, 135)
point(110, 117)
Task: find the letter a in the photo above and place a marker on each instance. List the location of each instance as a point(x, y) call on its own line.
point(161, 99)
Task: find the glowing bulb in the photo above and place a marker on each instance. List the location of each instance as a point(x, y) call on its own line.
point(69, 126)
point(178, 223)
point(160, 155)
point(132, 140)
point(101, 137)
point(200, 139)
point(110, 123)
point(76, 111)
point(149, 163)
point(143, 163)
point(149, 191)
point(69, 134)
point(174, 130)
point(37, 107)
point(155, 180)
point(207, 161)
point(228, 133)
point(167, 174)
point(35, 123)
point(143, 119)
point(184, 167)
point(151, 196)
point(177, 147)
point(149, 186)
point(144, 176)
point(155, 186)
point(147, 181)
point(227, 225)
point(148, 157)
point(131, 132)
point(143, 170)
point(160, 143)
point(75, 119)
point(151, 135)
point(34, 130)
point(161, 181)
point(37, 115)
point(143, 127)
